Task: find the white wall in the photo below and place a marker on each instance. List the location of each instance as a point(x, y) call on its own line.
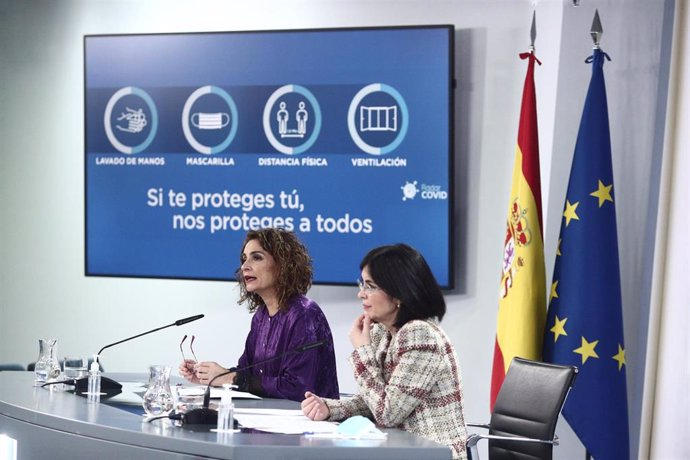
point(43, 291)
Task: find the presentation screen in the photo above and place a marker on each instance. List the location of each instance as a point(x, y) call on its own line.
point(343, 136)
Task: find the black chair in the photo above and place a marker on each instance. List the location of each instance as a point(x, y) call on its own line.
point(11, 367)
point(526, 411)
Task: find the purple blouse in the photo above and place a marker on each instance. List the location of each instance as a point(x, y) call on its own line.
point(313, 370)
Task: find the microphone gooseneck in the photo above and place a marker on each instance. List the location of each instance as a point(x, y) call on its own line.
point(109, 386)
point(182, 321)
point(207, 393)
point(309, 346)
point(179, 322)
point(208, 416)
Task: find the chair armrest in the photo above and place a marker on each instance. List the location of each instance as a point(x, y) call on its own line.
point(479, 425)
point(474, 438)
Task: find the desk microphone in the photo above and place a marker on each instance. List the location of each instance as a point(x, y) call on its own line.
point(109, 386)
point(179, 322)
point(206, 416)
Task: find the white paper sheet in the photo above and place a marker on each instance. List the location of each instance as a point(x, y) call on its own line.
point(285, 424)
point(266, 411)
point(215, 393)
point(131, 393)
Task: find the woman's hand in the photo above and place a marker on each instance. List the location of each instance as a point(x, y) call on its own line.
point(205, 371)
point(314, 407)
point(359, 334)
point(187, 370)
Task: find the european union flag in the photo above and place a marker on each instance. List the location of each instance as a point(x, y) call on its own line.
point(584, 326)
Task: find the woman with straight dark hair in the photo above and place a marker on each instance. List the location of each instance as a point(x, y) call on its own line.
point(406, 369)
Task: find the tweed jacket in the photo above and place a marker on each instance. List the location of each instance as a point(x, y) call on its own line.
point(409, 380)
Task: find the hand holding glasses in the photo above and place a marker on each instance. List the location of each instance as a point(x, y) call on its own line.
point(189, 363)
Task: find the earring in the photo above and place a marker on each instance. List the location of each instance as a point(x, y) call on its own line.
point(398, 305)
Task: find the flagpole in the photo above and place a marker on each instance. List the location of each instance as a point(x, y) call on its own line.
point(596, 31)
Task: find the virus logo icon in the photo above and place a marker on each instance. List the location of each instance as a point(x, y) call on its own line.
point(409, 190)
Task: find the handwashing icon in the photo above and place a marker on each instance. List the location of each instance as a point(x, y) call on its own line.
point(136, 121)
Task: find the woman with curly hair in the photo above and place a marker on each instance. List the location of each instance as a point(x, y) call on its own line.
point(274, 276)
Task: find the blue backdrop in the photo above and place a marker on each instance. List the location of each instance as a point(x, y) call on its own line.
point(342, 135)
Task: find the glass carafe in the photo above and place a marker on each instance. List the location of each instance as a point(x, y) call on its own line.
point(158, 398)
point(47, 366)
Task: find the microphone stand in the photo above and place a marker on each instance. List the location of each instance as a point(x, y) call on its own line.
point(207, 416)
point(179, 322)
point(109, 386)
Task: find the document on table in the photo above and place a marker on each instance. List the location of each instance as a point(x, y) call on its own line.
point(215, 393)
point(284, 421)
point(131, 394)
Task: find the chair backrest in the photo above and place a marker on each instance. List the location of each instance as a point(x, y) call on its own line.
point(528, 404)
point(11, 367)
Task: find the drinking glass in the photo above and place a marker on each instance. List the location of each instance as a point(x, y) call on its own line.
point(75, 367)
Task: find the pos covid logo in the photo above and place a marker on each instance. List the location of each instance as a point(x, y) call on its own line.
point(413, 190)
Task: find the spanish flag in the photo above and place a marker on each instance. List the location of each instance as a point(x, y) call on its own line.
point(522, 303)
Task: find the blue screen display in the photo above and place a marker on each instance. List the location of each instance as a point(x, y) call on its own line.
point(341, 135)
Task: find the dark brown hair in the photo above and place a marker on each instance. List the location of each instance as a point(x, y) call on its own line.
point(293, 264)
point(403, 273)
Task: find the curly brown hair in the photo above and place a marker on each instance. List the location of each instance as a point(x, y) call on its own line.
point(292, 259)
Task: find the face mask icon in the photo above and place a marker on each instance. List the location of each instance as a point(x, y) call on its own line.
point(204, 120)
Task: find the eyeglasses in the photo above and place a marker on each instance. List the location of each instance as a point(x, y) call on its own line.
point(368, 288)
point(191, 348)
